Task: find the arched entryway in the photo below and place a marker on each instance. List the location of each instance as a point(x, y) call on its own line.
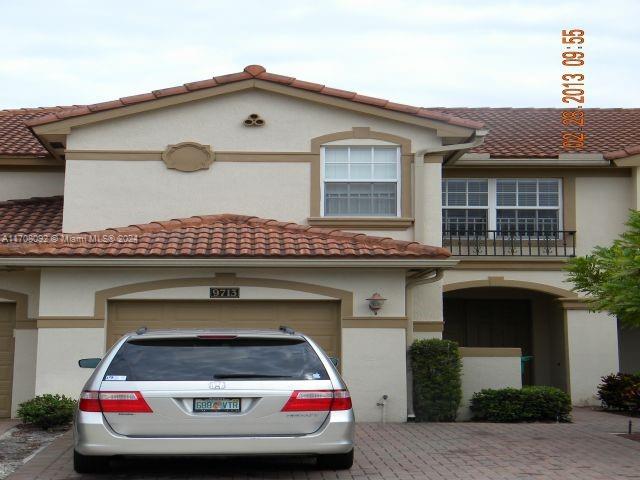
point(494, 315)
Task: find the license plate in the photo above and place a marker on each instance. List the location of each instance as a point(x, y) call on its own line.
point(216, 404)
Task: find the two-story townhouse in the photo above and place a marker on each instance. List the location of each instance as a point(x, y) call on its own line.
point(156, 210)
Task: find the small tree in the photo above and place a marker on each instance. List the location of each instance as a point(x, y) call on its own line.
point(437, 387)
point(610, 276)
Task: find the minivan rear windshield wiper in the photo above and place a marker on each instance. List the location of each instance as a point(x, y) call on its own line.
point(250, 375)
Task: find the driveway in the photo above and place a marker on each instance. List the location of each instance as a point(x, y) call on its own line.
point(586, 449)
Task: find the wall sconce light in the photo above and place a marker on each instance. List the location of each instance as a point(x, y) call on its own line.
point(375, 302)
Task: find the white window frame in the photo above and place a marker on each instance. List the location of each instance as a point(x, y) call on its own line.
point(398, 180)
point(494, 207)
point(467, 206)
point(492, 191)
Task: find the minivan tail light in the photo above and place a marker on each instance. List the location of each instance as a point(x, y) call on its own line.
point(89, 402)
point(318, 401)
point(341, 400)
point(113, 402)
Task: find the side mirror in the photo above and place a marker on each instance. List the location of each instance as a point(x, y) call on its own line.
point(89, 362)
point(335, 361)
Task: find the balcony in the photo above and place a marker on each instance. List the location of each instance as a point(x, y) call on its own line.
point(501, 243)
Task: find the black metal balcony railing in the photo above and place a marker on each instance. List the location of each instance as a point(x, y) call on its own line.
point(500, 243)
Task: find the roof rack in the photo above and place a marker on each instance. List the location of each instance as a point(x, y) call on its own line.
point(285, 329)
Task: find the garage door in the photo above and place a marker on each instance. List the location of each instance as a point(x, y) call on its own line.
point(7, 321)
point(318, 319)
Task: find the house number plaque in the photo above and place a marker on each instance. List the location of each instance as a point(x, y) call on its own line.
point(224, 292)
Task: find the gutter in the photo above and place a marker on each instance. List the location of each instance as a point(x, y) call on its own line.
point(230, 262)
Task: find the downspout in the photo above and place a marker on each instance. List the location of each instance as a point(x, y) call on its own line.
point(431, 276)
point(473, 141)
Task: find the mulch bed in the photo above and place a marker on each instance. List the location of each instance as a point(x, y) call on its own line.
point(18, 444)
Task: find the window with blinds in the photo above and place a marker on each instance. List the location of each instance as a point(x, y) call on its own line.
point(361, 181)
point(528, 206)
point(465, 206)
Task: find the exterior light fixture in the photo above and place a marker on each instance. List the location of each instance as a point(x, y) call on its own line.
point(375, 302)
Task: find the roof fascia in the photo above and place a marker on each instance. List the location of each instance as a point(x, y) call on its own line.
point(64, 126)
point(226, 262)
point(631, 161)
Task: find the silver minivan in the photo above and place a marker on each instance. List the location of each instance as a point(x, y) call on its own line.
point(213, 392)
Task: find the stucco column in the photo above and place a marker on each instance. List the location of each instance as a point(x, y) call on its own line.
point(424, 305)
point(591, 350)
point(428, 200)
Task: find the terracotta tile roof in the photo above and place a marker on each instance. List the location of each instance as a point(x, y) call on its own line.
point(41, 215)
point(251, 72)
point(15, 137)
point(513, 132)
point(210, 236)
point(537, 132)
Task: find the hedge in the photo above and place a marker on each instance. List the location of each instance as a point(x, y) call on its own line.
point(527, 404)
point(437, 388)
point(47, 411)
point(620, 391)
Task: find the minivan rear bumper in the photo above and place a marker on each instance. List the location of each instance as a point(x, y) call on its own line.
point(93, 436)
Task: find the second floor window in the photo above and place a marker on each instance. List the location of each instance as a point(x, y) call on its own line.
point(524, 206)
point(361, 181)
point(465, 205)
point(527, 205)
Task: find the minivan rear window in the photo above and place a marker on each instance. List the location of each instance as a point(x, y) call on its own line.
point(196, 359)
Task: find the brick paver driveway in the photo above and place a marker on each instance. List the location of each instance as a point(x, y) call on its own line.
point(586, 449)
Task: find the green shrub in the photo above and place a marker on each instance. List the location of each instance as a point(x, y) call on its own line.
point(437, 388)
point(527, 404)
point(47, 411)
point(620, 391)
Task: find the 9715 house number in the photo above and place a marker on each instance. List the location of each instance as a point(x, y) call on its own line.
point(224, 293)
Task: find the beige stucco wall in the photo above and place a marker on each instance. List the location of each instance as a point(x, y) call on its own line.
point(24, 367)
point(58, 282)
point(424, 302)
point(103, 194)
point(16, 184)
point(59, 350)
point(602, 208)
point(486, 372)
point(374, 364)
point(217, 121)
point(592, 347)
point(553, 278)
point(26, 282)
